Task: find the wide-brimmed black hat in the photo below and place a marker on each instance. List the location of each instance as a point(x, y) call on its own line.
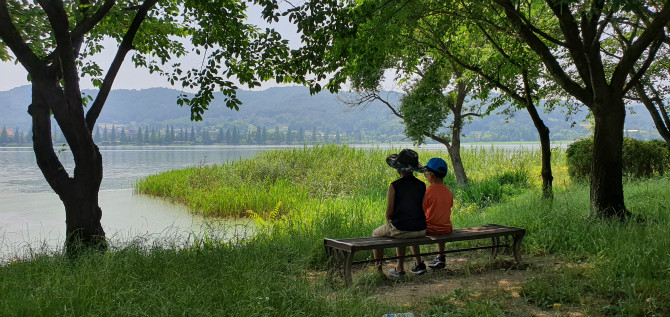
point(405, 161)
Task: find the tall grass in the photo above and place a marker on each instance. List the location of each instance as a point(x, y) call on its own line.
point(302, 176)
point(305, 195)
point(628, 263)
point(210, 278)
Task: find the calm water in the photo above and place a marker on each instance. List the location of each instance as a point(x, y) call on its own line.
point(32, 218)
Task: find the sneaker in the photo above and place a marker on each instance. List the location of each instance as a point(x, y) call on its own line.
point(419, 269)
point(394, 273)
point(437, 263)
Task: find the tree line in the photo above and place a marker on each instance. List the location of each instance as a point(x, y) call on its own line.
point(14, 137)
point(120, 135)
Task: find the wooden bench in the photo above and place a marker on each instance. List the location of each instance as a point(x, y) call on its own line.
point(340, 252)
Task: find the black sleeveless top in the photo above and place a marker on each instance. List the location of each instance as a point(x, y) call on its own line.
point(408, 210)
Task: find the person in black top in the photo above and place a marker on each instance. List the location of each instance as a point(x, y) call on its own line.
point(404, 212)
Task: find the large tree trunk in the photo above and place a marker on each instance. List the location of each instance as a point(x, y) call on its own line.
point(547, 175)
point(455, 148)
point(607, 199)
point(79, 194)
point(455, 156)
point(545, 148)
point(545, 144)
point(82, 216)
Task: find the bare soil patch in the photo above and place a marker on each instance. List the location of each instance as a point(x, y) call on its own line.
point(480, 277)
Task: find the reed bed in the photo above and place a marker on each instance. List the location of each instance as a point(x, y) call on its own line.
point(299, 178)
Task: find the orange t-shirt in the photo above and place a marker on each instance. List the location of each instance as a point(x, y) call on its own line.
point(437, 205)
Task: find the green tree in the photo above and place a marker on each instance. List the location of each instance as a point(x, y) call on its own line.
point(277, 135)
point(601, 78)
point(389, 37)
point(55, 40)
point(499, 62)
point(122, 135)
point(220, 136)
point(4, 137)
point(112, 135)
point(264, 136)
point(140, 137)
point(206, 138)
point(289, 136)
point(153, 138)
point(168, 135)
point(235, 136)
point(97, 136)
point(105, 135)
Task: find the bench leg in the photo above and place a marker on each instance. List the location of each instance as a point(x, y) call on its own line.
point(517, 247)
point(348, 259)
point(494, 251)
point(331, 262)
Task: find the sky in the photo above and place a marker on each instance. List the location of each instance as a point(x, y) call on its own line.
point(13, 75)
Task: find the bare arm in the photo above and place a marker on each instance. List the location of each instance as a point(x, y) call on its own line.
point(390, 203)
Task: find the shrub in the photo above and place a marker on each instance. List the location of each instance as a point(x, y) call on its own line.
point(644, 158)
point(578, 157)
point(641, 159)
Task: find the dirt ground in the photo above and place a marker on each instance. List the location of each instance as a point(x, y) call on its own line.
point(499, 279)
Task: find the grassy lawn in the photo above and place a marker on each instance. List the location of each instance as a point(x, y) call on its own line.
point(574, 264)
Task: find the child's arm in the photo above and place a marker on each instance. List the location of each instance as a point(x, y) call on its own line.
point(390, 203)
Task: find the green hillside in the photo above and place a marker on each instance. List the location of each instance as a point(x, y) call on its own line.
point(294, 108)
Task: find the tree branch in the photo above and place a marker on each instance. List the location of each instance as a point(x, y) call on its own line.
point(578, 52)
point(11, 36)
point(545, 54)
point(633, 53)
point(659, 100)
point(538, 31)
point(635, 76)
point(125, 46)
point(661, 121)
point(88, 23)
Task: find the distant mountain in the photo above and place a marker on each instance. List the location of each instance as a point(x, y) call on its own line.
point(294, 107)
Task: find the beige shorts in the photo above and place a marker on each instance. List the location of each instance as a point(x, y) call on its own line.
point(389, 230)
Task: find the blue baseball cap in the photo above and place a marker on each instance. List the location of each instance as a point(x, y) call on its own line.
point(438, 167)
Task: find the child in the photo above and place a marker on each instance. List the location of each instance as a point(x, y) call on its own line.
point(437, 205)
point(405, 217)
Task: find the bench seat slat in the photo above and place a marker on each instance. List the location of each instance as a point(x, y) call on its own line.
point(461, 234)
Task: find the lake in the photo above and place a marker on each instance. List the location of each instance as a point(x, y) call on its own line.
point(33, 217)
